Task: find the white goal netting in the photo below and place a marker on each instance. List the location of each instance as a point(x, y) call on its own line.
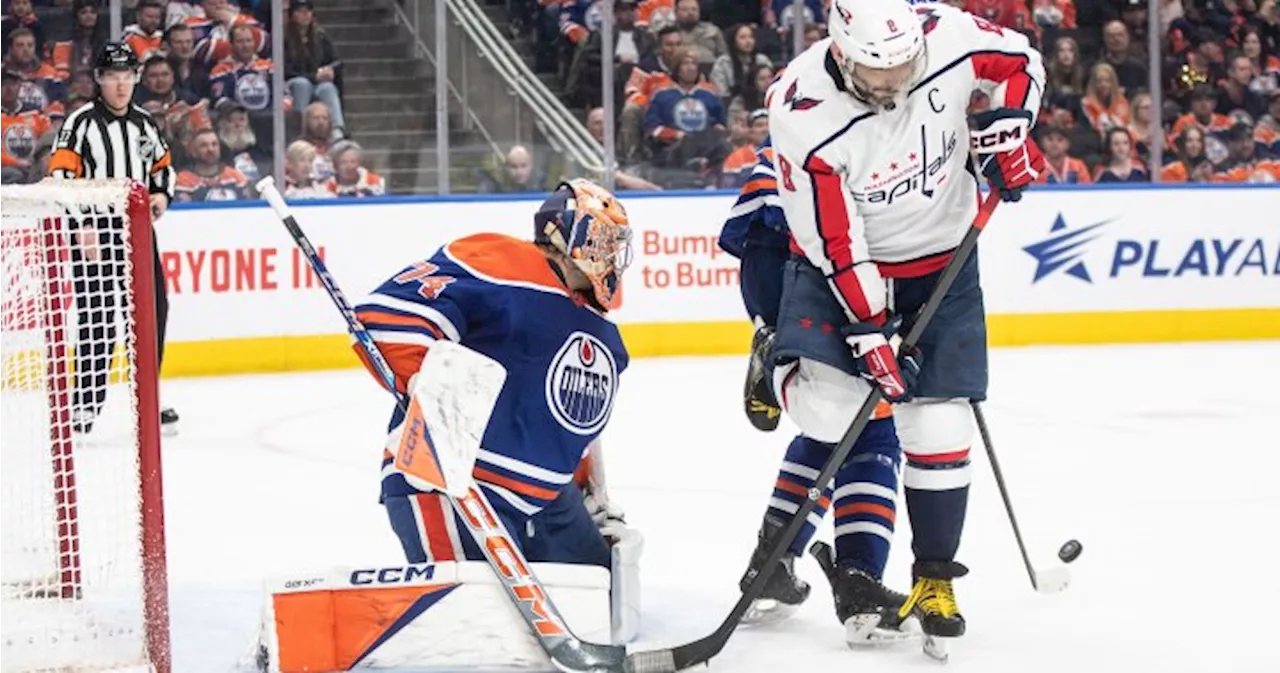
point(81, 525)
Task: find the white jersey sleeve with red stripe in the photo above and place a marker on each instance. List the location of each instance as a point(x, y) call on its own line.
point(808, 117)
point(870, 192)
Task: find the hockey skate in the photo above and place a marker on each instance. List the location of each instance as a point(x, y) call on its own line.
point(933, 602)
point(758, 399)
point(866, 607)
point(784, 592)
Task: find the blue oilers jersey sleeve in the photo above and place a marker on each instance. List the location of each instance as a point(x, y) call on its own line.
point(499, 296)
point(757, 217)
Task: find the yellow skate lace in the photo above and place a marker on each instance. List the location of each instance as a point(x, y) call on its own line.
point(934, 596)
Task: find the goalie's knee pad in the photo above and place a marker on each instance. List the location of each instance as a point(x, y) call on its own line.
point(936, 436)
point(822, 400)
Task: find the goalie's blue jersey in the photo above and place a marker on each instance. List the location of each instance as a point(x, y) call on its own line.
point(499, 296)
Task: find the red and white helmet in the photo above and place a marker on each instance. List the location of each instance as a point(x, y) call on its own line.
point(880, 34)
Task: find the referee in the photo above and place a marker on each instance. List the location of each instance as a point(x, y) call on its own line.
point(110, 137)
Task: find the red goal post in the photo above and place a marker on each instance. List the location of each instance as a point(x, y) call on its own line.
point(84, 568)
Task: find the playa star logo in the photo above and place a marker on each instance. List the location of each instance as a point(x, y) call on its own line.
point(1063, 250)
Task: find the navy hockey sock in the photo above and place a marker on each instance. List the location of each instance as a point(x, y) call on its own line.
point(937, 514)
point(800, 467)
point(865, 495)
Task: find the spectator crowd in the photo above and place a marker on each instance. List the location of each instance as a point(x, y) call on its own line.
point(205, 77)
point(690, 82)
point(691, 77)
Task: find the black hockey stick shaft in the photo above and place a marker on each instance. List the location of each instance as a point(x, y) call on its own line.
point(700, 651)
point(1004, 490)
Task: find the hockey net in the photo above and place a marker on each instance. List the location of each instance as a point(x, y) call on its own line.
point(83, 561)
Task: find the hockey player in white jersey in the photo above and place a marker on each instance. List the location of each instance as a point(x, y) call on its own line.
point(872, 140)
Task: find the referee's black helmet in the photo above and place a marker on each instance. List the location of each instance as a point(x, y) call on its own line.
point(115, 56)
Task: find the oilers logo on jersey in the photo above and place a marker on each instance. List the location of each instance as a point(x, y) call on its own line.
point(19, 141)
point(580, 384)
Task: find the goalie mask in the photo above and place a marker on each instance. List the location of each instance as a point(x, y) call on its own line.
point(586, 223)
point(878, 47)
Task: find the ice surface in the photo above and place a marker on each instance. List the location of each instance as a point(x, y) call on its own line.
point(1161, 460)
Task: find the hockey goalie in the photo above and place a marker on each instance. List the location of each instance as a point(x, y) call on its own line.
point(537, 310)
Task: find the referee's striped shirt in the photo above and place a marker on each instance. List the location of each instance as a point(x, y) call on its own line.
point(95, 143)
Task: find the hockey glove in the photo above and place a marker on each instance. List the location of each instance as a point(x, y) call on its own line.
point(876, 361)
point(1009, 158)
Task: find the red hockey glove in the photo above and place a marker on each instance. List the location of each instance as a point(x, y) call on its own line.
point(1009, 158)
point(877, 362)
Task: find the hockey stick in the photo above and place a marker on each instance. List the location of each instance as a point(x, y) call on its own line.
point(700, 651)
point(1056, 578)
point(567, 651)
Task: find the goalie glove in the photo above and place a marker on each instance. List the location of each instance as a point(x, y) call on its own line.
point(878, 363)
point(1009, 158)
point(608, 516)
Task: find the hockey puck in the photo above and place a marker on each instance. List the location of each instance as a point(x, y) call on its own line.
point(1070, 551)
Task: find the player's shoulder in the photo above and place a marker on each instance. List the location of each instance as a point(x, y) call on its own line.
point(806, 107)
point(948, 32)
point(85, 111)
point(499, 259)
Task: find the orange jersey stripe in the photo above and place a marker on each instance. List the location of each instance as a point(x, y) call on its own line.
point(508, 483)
point(852, 508)
point(506, 260)
point(796, 489)
point(405, 361)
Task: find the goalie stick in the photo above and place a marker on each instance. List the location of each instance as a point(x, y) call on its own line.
point(567, 651)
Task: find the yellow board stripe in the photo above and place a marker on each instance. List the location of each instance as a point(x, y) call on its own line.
point(301, 353)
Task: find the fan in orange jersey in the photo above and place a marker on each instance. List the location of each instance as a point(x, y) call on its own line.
point(737, 168)
point(214, 31)
point(146, 37)
point(19, 130)
point(41, 88)
point(1267, 132)
point(1060, 168)
point(349, 178)
point(1242, 163)
point(242, 77)
point(656, 14)
point(1191, 164)
point(209, 178)
point(1204, 99)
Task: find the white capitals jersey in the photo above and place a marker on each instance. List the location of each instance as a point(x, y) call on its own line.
point(873, 192)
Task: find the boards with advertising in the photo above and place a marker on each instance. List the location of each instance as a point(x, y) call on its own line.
point(1062, 266)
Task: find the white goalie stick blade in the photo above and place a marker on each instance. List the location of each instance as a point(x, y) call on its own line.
point(1054, 580)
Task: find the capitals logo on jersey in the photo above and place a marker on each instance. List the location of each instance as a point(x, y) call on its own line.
point(797, 100)
point(580, 384)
